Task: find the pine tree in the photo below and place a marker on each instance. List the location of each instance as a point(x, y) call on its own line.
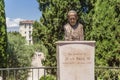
point(105, 31)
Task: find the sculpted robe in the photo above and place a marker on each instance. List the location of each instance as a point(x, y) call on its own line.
point(74, 33)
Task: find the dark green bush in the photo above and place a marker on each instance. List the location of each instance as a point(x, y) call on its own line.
point(48, 77)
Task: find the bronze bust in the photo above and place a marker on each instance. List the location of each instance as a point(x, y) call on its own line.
point(73, 29)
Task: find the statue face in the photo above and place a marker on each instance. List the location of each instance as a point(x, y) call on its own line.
point(72, 18)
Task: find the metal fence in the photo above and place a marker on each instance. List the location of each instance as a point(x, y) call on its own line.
point(35, 73)
point(27, 73)
point(107, 73)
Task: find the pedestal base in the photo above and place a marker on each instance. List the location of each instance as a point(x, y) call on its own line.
point(75, 60)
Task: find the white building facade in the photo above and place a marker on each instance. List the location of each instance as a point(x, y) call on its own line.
point(25, 29)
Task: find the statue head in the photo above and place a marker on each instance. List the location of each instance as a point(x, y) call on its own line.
point(72, 17)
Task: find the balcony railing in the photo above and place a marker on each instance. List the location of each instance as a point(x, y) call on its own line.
point(35, 73)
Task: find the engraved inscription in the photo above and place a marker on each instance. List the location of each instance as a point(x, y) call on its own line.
point(77, 58)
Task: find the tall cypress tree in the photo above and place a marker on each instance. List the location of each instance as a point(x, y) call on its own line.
point(3, 35)
point(105, 30)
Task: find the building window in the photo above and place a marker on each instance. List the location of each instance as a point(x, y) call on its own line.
point(29, 26)
point(30, 36)
point(29, 32)
point(29, 41)
point(24, 25)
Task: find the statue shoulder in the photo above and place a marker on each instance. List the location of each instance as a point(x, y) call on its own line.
point(67, 26)
point(80, 25)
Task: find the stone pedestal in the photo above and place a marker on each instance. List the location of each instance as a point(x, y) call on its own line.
point(75, 60)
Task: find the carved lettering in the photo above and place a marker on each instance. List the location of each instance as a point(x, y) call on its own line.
point(77, 58)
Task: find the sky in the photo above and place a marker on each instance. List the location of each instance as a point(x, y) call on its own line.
point(17, 10)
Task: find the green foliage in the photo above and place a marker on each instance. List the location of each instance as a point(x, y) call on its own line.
point(48, 77)
point(3, 36)
point(101, 20)
point(20, 55)
point(107, 74)
point(105, 31)
point(41, 48)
